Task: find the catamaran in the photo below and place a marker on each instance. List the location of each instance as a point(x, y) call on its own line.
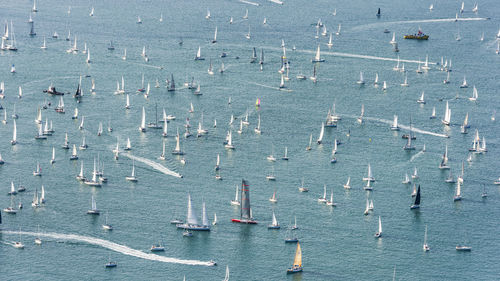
point(245, 209)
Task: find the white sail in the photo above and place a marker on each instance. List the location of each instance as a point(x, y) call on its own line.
point(379, 225)
point(191, 217)
point(321, 133)
point(205, 221)
point(143, 120)
point(14, 133)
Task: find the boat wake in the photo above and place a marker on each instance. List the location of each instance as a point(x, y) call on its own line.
point(416, 155)
point(404, 127)
point(271, 87)
point(249, 2)
point(153, 165)
point(146, 65)
point(374, 25)
point(110, 245)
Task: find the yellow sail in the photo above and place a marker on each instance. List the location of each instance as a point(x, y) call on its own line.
point(298, 257)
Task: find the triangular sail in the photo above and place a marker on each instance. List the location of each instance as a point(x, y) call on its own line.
point(245, 200)
point(417, 198)
point(191, 217)
point(204, 216)
point(297, 262)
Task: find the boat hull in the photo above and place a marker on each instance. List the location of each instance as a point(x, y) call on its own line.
point(244, 221)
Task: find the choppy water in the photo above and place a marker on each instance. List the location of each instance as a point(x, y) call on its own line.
point(336, 243)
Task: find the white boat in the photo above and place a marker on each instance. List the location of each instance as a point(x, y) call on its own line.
point(229, 145)
point(378, 234)
point(360, 118)
point(81, 176)
point(433, 114)
point(132, 176)
point(474, 94)
point(458, 193)
point(330, 43)
point(395, 126)
point(42, 197)
point(393, 40)
point(444, 161)
point(210, 69)
point(139, 20)
point(274, 224)
point(236, 200)
point(321, 133)
point(208, 14)
point(84, 145)
point(375, 82)
point(302, 188)
point(317, 57)
point(44, 45)
point(198, 54)
point(257, 130)
point(273, 198)
point(94, 181)
point(142, 127)
point(177, 150)
point(426, 247)
point(38, 170)
point(447, 115)
point(384, 86)
point(53, 159)
point(347, 185)
point(246, 14)
point(421, 100)
point(369, 177)
point(338, 30)
point(323, 199)
point(415, 173)
point(192, 221)
point(18, 244)
point(247, 36)
point(34, 9)
point(405, 82)
point(215, 36)
point(367, 208)
point(426, 64)
point(128, 145)
point(464, 83)
point(330, 202)
point(361, 80)
point(93, 210)
point(106, 225)
point(14, 134)
point(91, 12)
point(309, 147)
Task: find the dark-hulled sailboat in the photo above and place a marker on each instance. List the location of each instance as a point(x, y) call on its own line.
point(416, 204)
point(245, 211)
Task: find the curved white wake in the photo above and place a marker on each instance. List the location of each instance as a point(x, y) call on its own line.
point(112, 246)
point(373, 25)
point(389, 122)
point(153, 165)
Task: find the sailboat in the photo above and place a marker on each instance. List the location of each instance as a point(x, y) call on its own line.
point(273, 198)
point(106, 225)
point(330, 43)
point(444, 161)
point(94, 181)
point(274, 224)
point(320, 138)
point(474, 94)
point(416, 204)
point(53, 159)
point(338, 30)
point(302, 188)
point(426, 247)
point(369, 176)
point(14, 134)
point(245, 210)
point(38, 170)
point(323, 199)
point(317, 57)
point(132, 176)
point(229, 145)
point(93, 210)
point(81, 176)
point(297, 262)
point(395, 126)
point(215, 36)
point(35, 203)
point(142, 127)
point(210, 69)
point(247, 36)
point(421, 100)
point(177, 150)
point(257, 129)
point(192, 221)
point(198, 54)
point(361, 80)
point(447, 115)
point(458, 192)
point(360, 118)
point(245, 17)
point(464, 83)
point(378, 234)
point(236, 200)
point(330, 202)
point(347, 185)
point(393, 40)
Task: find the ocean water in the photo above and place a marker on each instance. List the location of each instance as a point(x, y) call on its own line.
point(337, 243)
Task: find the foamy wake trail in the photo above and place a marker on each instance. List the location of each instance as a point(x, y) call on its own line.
point(153, 165)
point(146, 65)
point(373, 25)
point(270, 87)
point(416, 155)
point(249, 2)
point(389, 122)
point(110, 245)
